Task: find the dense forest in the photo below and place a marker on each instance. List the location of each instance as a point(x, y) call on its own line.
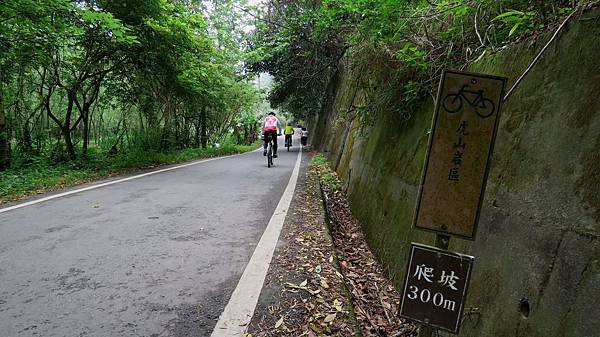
point(300, 43)
point(88, 88)
point(149, 74)
point(85, 81)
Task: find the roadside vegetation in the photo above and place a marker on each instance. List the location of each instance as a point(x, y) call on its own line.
point(374, 299)
point(93, 87)
point(327, 177)
point(304, 292)
point(41, 176)
point(409, 43)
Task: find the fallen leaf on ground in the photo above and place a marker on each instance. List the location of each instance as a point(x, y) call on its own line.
point(329, 318)
point(279, 322)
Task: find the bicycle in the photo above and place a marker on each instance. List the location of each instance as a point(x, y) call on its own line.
point(483, 107)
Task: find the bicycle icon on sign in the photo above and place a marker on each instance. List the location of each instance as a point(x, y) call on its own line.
point(483, 107)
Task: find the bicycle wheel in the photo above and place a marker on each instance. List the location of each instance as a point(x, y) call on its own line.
point(269, 155)
point(452, 103)
point(485, 108)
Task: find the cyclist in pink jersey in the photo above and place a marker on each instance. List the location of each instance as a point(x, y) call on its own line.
point(272, 127)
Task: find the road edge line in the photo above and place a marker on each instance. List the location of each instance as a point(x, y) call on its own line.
point(108, 183)
point(235, 318)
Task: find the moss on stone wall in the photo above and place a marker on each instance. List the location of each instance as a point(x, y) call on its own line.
point(539, 234)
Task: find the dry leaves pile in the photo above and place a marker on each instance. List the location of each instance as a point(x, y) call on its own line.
point(304, 294)
point(316, 287)
point(375, 300)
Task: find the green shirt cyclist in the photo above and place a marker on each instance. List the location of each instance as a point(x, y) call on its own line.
point(288, 131)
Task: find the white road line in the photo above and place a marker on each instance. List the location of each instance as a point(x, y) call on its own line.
point(237, 314)
point(60, 195)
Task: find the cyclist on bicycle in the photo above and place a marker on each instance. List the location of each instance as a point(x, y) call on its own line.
point(288, 132)
point(303, 136)
point(271, 127)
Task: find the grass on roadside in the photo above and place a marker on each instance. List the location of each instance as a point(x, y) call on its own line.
point(326, 175)
point(40, 176)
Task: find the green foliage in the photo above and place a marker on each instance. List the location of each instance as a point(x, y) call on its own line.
point(298, 54)
point(328, 177)
point(120, 76)
point(318, 160)
point(303, 41)
point(40, 175)
point(517, 21)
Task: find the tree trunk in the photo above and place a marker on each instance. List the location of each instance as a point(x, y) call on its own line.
point(89, 96)
point(85, 133)
point(27, 142)
point(166, 138)
point(66, 129)
point(197, 133)
point(203, 128)
point(4, 132)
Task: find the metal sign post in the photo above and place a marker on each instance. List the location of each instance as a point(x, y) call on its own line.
point(450, 197)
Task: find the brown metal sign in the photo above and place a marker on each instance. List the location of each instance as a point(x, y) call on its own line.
point(435, 287)
point(460, 145)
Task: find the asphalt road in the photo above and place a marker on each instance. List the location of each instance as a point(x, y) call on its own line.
point(154, 256)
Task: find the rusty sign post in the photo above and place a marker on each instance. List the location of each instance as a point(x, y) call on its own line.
point(460, 145)
point(450, 197)
point(435, 287)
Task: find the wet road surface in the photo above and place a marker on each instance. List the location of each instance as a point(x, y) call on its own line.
point(155, 256)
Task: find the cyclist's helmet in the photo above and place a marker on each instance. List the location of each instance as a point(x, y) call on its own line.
point(271, 113)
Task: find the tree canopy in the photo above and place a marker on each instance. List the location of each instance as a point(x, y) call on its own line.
point(120, 74)
point(302, 42)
